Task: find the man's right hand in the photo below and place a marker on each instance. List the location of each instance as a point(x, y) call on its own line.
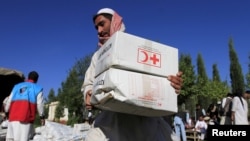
point(87, 100)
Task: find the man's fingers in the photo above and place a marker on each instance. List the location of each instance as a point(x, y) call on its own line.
point(87, 100)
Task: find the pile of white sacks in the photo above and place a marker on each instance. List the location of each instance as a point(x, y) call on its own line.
point(53, 131)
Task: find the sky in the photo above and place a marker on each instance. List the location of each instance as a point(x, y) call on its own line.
point(49, 36)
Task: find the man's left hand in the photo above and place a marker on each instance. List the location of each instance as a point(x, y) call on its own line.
point(176, 81)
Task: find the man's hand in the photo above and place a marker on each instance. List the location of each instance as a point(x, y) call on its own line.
point(87, 100)
point(176, 82)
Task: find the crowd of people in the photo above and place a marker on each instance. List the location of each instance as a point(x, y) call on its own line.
point(231, 110)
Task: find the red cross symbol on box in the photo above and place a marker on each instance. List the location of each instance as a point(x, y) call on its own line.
point(149, 58)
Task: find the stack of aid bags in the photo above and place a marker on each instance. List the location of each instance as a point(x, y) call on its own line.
point(131, 76)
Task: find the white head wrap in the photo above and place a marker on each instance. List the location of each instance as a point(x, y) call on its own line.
point(116, 23)
point(106, 10)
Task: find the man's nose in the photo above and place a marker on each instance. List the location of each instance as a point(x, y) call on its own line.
point(99, 30)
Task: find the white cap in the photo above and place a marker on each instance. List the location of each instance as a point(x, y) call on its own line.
point(106, 10)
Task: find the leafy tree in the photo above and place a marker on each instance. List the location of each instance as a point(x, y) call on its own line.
point(201, 82)
point(188, 75)
point(51, 96)
point(59, 112)
point(188, 90)
point(248, 76)
point(70, 95)
point(217, 89)
point(248, 84)
point(202, 77)
point(237, 78)
point(216, 75)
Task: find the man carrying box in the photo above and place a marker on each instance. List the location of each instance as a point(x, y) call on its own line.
point(115, 126)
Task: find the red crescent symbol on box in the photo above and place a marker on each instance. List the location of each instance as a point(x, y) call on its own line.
point(146, 56)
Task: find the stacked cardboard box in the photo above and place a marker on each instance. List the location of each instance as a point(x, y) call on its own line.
point(131, 76)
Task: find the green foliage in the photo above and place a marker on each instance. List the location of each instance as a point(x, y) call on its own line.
point(185, 65)
point(201, 71)
point(74, 119)
point(51, 96)
point(202, 80)
point(237, 78)
point(46, 111)
point(248, 76)
point(59, 112)
point(70, 95)
point(248, 81)
point(216, 75)
point(216, 90)
point(200, 90)
point(37, 121)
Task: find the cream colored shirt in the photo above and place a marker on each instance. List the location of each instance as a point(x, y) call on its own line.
point(89, 76)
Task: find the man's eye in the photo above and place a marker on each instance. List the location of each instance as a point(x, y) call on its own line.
point(101, 24)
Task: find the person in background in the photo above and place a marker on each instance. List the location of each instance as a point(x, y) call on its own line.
point(213, 113)
point(213, 120)
point(199, 111)
point(25, 100)
point(201, 127)
point(190, 123)
point(240, 108)
point(112, 126)
point(226, 106)
point(179, 126)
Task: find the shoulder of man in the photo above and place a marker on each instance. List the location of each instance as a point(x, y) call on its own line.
point(236, 98)
point(36, 87)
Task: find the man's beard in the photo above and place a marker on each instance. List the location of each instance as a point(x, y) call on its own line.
point(103, 37)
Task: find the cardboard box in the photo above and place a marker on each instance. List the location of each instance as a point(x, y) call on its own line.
point(134, 93)
point(130, 52)
point(80, 128)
